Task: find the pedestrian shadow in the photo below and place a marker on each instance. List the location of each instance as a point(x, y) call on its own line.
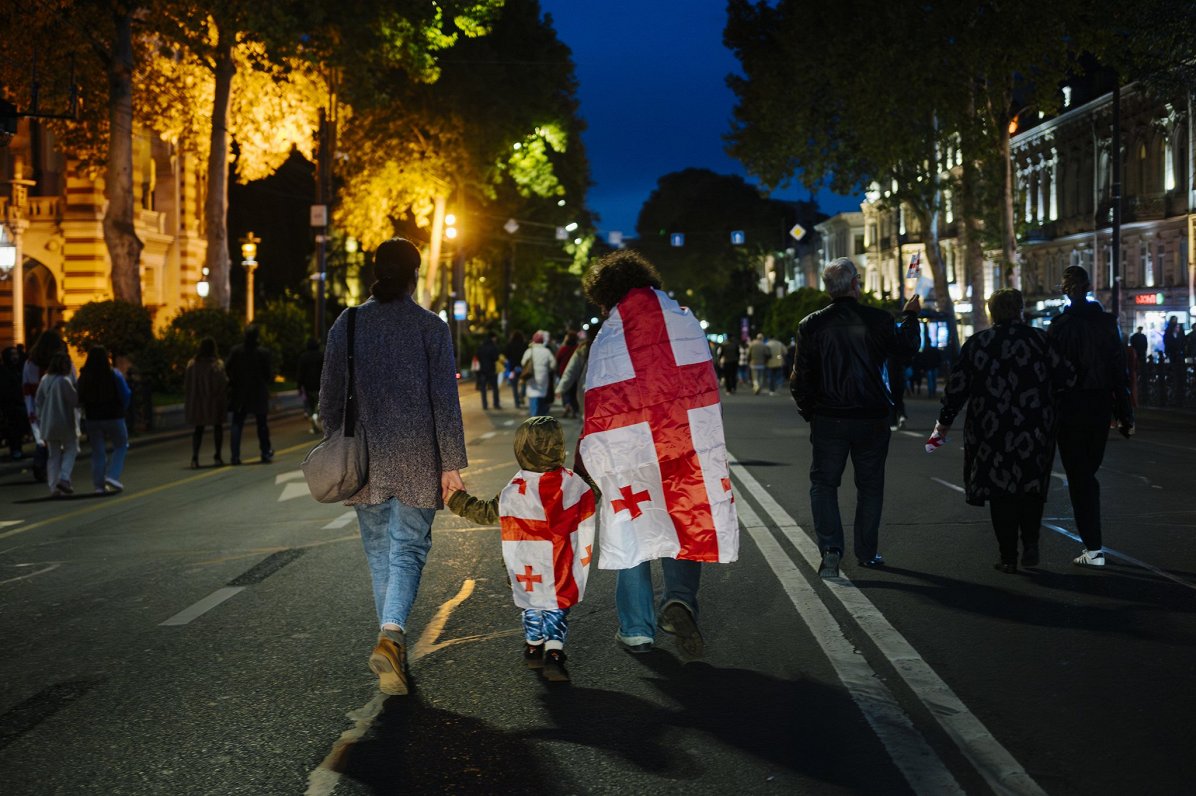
point(416, 748)
point(65, 498)
point(798, 725)
point(1143, 599)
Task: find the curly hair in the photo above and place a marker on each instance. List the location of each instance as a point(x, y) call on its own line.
point(613, 276)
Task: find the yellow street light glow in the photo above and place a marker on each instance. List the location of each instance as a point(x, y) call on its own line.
point(450, 233)
point(450, 219)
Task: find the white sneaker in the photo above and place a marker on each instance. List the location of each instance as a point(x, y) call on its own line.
point(112, 482)
point(1090, 558)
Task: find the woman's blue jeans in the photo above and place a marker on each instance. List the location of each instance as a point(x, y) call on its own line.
point(397, 539)
point(636, 603)
point(99, 434)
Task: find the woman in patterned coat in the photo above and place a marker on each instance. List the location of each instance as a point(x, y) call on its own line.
point(1008, 376)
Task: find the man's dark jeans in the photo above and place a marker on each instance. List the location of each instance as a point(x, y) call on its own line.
point(867, 442)
point(1082, 449)
point(263, 433)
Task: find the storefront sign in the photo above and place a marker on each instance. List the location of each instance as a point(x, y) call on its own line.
point(1150, 299)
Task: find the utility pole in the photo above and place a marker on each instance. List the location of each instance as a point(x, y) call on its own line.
point(1115, 260)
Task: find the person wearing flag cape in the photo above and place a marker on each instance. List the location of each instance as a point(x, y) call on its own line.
point(547, 518)
point(652, 442)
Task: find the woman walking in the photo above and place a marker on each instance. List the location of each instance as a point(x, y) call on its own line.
point(104, 396)
point(56, 403)
point(205, 399)
point(405, 395)
point(1007, 376)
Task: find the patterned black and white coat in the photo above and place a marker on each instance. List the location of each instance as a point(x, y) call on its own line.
point(1008, 377)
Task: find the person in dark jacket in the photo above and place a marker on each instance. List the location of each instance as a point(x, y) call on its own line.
point(13, 419)
point(516, 346)
point(249, 374)
point(728, 363)
point(487, 355)
point(205, 399)
point(1088, 338)
point(311, 364)
point(104, 395)
point(1007, 454)
point(839, 389)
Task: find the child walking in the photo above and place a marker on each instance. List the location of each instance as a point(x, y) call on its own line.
point(547, 518)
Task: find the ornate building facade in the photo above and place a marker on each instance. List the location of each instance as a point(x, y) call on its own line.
point(54, 210)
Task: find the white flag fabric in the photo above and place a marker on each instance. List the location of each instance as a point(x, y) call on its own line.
point(547, 522)
point(653, 437)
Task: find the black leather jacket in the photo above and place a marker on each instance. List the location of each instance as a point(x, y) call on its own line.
point(840, 351)
point(1089, 339)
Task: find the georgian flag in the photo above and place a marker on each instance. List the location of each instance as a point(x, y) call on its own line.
point(653, 437)
point(547, 522)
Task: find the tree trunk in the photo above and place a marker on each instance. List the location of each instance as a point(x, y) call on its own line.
point(1010, 270)
point(928, 219)
point(973, 246)
point(120, 235)
point(216, 206)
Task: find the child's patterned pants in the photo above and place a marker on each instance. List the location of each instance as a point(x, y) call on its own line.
point(547, 627)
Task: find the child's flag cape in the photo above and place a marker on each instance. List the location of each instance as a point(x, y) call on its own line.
point(547, 522)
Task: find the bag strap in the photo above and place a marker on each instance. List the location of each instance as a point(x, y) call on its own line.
point(350, 424)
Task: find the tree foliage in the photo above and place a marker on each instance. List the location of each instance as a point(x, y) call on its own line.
point(123, 328)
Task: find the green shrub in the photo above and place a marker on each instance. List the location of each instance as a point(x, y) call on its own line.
point(124, 329)
point(221, 325)
point(786, 313)
point(164, 361)
point(284, 330)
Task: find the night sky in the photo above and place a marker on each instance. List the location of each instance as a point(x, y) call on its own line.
point(654, 96)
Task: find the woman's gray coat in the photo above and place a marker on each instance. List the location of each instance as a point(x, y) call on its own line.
point(407, 400)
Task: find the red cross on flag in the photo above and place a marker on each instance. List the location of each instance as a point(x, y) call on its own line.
point(653, 437)
point(547, 522)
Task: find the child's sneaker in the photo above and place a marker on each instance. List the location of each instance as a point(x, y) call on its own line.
point(1090, 558)
point(554, 667)
point(533, 656)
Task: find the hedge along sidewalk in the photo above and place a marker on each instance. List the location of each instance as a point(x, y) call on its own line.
point(169, 424)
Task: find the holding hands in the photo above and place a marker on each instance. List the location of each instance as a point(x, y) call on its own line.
point(450, 482)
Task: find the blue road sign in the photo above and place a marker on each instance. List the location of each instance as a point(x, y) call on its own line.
point(738, 238)
point(677, 239)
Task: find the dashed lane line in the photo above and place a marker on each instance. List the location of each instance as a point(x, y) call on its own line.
point(341, 521)
point(910, 752)
point(198, 609)
point(1127, 559)
point(1003, 773)
point(1109, 551)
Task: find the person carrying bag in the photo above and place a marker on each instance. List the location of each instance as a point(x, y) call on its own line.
point(338, 467)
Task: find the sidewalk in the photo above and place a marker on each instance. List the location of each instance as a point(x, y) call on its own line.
point(168, 425)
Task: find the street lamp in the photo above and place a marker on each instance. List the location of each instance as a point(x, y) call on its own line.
point(249, 262)
point(203, 287)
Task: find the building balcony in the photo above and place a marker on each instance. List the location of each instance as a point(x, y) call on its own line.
point(1145, 207)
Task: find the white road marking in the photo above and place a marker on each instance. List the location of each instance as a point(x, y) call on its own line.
point(48, 568)
point(510, 423)
point(294, 490)
point(921, 767)
point(341, 521)
point(200, 608)
point(292, 475)
point(1128, 559)
point(917, 434)
point(991, 760)
point(489, 435)
point(9, 523)
point(947, 484)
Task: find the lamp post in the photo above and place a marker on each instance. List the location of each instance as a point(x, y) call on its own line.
point(249, 261)
point(11, 265)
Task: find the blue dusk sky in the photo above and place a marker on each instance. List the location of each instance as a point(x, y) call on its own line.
point(653, 92)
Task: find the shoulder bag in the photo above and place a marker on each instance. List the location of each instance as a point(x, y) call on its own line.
point(338, 467)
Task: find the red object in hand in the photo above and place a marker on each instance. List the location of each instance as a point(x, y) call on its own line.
point(935, 442)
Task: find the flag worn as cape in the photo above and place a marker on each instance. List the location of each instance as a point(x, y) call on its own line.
point(653, 437)
point(547, 522)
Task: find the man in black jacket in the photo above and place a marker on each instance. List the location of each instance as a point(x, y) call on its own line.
point(839, 390)
point(487, 355)
point(1088, 337)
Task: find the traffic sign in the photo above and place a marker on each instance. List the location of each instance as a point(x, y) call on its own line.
point(319, 215)
point(512, 226)
point(614, 237)
point(677, 239)
point(459, 311)
point(562, 233)
point(798, 232)
point(738, 238)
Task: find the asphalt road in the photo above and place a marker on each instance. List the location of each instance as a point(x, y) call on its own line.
point(207, 631)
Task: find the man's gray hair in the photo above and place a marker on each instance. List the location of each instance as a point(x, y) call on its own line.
point(838, 275)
